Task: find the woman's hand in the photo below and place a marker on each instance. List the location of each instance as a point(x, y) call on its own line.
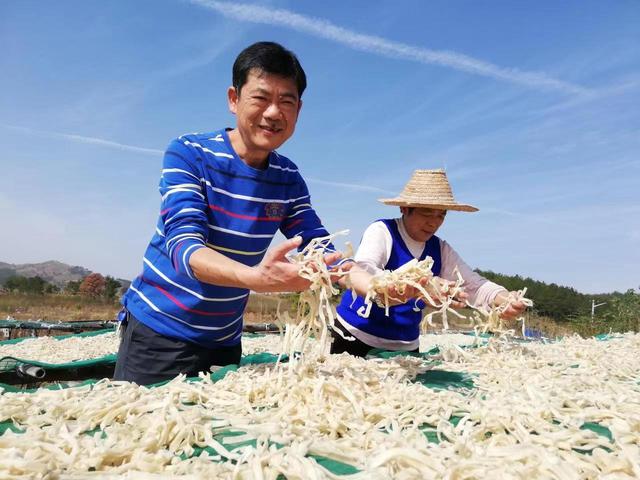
point(511, 307)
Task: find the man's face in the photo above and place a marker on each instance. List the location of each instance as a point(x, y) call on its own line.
point(266, 108)
point(422, 223)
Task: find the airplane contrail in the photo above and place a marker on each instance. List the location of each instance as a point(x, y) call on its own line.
point(388, 48)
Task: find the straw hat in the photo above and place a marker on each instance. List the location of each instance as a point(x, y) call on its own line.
point(428, 189)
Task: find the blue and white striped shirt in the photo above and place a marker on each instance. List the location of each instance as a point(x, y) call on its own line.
point(212, 199)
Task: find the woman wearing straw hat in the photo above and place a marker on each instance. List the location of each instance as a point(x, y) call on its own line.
point(389, 244)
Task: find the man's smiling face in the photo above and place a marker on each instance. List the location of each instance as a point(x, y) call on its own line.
point(266, 108)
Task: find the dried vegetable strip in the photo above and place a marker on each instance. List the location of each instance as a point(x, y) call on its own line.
point(417, 274)
point(490, 319)
point(64, 350)
point(525, 419)
point(316, 315)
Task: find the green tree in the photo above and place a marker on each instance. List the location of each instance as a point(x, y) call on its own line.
point(50, 288)
point(15, 283)
point(551, 300)
point(111, 288)
point(72, 287)
point(31, 285)
point(623, 312)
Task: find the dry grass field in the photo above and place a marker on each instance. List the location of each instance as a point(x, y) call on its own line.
point(260, 309)
point(69, 308)
point(65, 308)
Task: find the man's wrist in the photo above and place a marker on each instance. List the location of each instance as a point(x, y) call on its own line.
point(249, 277)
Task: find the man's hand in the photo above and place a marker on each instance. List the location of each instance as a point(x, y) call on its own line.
point(275, 273)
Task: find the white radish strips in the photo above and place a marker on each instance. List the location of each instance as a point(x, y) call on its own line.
point(523, 421)
point(316, 314)
point(64, 350)
point(418, 274)
point(490, 319)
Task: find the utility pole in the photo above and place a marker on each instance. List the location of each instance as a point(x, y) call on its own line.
point(594, 305)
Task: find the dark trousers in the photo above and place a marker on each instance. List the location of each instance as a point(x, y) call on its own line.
point(147, 357)
point(354, 347)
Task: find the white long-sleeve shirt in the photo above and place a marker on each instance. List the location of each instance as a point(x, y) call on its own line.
point(375, 249)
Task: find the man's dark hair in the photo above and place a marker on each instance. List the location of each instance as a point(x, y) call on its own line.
point(268, 57)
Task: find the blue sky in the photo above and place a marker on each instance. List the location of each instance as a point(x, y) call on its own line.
point(532, 107)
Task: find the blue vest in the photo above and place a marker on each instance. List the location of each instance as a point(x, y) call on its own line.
point(403, 322)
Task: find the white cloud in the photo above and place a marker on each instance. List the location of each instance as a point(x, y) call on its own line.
point(152, 151)
point(388, 48)
point(110, 144)
point(90, 140)
point(350, 186)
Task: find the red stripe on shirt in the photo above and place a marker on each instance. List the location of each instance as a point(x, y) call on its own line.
point(293, 224)
point(182, 305)
point(245, 217)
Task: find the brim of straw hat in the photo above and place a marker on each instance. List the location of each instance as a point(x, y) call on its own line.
point(417, 203)
point(428, 189)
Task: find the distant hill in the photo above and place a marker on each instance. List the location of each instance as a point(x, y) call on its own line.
point(54, 272)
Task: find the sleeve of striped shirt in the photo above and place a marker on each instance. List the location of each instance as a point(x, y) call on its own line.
point(183, 209)
point(301, 218)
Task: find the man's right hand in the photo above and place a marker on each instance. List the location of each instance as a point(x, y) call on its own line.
point(275, 273)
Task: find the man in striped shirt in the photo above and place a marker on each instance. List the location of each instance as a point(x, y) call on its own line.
point(224, 196)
